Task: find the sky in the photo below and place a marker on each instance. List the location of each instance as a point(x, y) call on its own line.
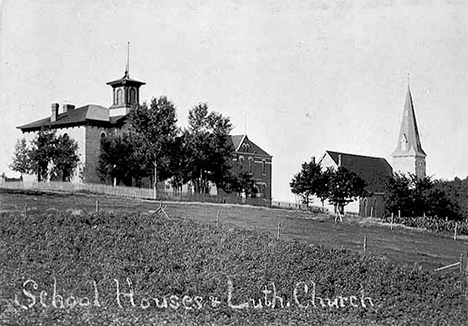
point(300, 77)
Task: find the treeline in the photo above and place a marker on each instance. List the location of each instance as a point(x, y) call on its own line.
point(152, 146)
point(405, 194)
point(410, 196)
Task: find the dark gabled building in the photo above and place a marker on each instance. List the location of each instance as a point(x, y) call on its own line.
point(373, 170)
point(251, 158)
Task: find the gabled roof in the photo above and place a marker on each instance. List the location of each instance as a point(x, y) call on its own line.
point(374, 170)
point(237, 140)
point(409, 142)
point(244, 145)
point(88, 114)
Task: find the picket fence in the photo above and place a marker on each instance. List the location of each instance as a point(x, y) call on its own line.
point(148, 193)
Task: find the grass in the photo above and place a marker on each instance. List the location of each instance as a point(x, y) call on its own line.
point(423, 249)
point(62, 243)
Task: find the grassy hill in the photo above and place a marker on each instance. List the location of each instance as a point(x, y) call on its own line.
point(180, 271)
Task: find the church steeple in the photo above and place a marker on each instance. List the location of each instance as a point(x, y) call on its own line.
point(126, 91)
point(409, 155)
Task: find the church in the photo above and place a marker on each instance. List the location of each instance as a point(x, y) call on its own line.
point(408, 157)
point(89, 123)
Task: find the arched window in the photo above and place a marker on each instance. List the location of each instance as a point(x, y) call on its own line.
point(132, 96)
point(119, 96)
point(263, 167)
point(103, 134)
point(251, 160)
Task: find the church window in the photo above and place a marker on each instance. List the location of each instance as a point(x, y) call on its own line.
point(251, 164)
point(119, 97)
point(263, 167)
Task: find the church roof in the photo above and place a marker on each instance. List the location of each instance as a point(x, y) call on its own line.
point(88, 114)
point(243, 144)
point(409, 142)
point(373, 170)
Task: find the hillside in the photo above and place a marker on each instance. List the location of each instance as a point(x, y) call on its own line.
point(180, 272)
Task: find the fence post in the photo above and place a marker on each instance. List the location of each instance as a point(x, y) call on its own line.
point(97, 206)
point(466, 275)
point(399, 214)
point(462, 278)
point(279, 230)
point(391, 223)
point(455, 231)
point(364, 247)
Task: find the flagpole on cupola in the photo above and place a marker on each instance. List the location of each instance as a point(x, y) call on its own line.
point(127, 65)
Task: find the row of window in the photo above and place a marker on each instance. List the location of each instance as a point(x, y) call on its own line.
point(251, 161)
point(119, 96)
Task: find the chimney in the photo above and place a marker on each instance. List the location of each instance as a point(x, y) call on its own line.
point(313, 159)
point(68, 107)
point(55, 109)
point(339, 160)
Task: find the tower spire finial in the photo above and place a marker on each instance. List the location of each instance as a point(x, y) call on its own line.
point(127, 65)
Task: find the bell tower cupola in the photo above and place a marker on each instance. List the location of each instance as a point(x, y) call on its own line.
point(409, 157)
point(125, 91)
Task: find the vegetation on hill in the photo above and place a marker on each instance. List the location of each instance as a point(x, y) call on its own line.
point(180, 272)
point(340, 186)
point(408, 195)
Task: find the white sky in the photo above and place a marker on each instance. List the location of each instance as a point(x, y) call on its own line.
point(309, 75)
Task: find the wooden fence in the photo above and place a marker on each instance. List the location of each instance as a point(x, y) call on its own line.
point(147, 193)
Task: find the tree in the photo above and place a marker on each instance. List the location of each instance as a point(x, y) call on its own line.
point(207, 149)
point(43, 149)
point(49, 156)
point(345, 186)
point(398, 196)
point(309, 182)
point(65, 158)
point(240, 183)
point(115, 160)
point(153, 130)
point(21, 161)
point(413, 196)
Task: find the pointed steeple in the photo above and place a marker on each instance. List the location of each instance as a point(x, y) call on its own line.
point(409, 155)
point(409, 141)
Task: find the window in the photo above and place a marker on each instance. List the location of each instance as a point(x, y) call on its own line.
point(251, 164)
point(103, 134)
point(132, 96)
point(241, 161)
point(119, 96)
point(403, 141)
point(263, 167)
